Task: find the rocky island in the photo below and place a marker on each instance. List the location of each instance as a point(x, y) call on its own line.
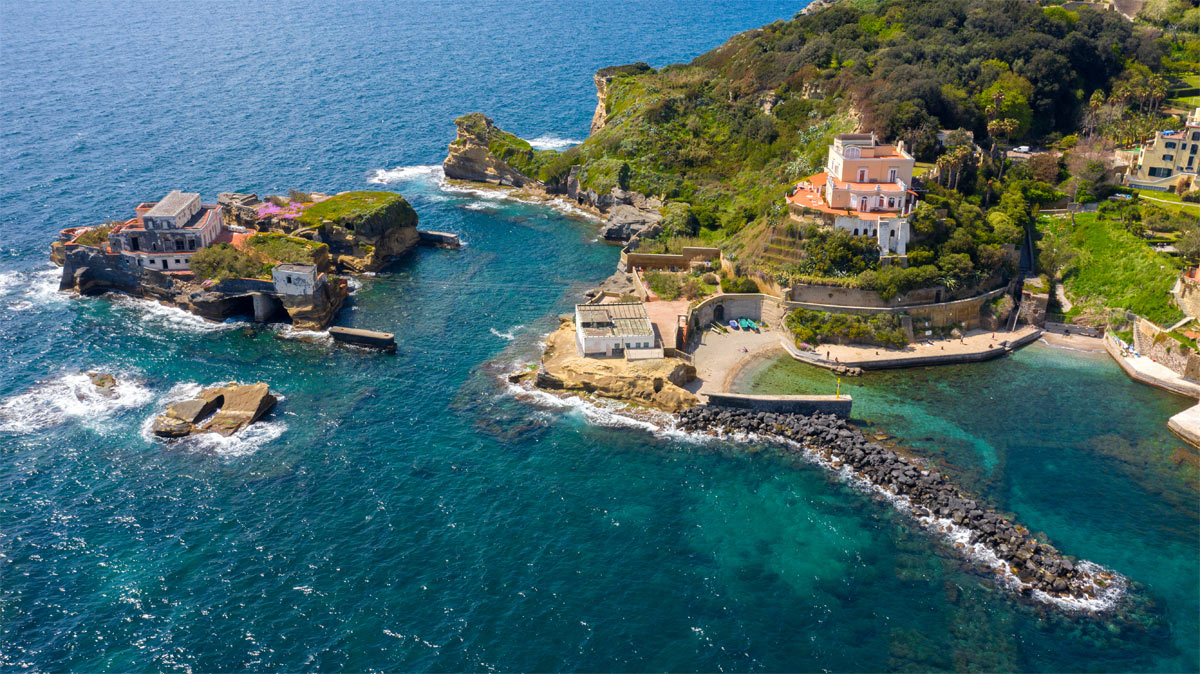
point(278, 255)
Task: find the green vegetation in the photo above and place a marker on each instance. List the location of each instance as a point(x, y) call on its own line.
point(739, 285)
point(223, 261)
point(666, 285)
point(344, 209)
point(1109, 267)
point(817, 327)
point(286, 249)
point(96, 235)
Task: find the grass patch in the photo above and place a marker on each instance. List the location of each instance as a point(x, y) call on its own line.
point(345, 208)
point(1115, 269)
point(285, 249)
point(94, 236)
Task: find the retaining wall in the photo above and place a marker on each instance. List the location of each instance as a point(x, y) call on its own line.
point(839, 405)
point(1153, 342)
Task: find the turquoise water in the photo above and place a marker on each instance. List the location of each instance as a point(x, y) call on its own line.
point(405, 512)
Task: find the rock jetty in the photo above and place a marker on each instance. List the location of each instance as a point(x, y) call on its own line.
point(1032, 567)
point(224, 410)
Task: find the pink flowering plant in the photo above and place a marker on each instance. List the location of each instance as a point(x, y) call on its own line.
point(289, 212)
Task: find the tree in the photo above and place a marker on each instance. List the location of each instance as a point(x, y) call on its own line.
point(1009, 95)
point(1054, 252)
point(1188, 245)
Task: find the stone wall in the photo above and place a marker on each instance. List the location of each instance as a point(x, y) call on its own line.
point(1153, 342)
point(859, 297)
point(680, 261)
point(757, 307)
point(1187, 295)
point(839, 405)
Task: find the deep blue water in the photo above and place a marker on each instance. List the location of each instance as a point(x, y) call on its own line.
point(405, 512)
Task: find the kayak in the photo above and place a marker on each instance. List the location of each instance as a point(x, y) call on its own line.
point(745, 323)
point(753, 325)
point(733, 324)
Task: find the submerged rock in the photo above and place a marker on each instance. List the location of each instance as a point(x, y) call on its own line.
point(106, 383)
point(224, 410)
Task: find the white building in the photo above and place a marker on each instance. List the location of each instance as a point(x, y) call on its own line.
point(295, 279)
point(613, 329)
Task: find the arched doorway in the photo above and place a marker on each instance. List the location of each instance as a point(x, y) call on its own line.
point(719, 313)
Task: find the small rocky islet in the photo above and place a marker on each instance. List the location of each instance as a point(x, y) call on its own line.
point(1034, 568)
point(223, 410)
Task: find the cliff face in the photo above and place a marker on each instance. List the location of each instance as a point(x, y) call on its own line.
point(472, 156)
point(651, 383)
point(318, 311)
point(603, 78)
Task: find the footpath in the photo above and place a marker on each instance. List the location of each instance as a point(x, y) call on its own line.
point(975, 346)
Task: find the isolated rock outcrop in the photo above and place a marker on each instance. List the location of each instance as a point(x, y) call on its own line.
point(602, 79)
point(224, 410)
point(652, 383)
point(471, 155)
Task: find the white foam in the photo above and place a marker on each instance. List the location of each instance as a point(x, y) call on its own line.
point(163, 315)
point(9, 280)
point(69, 397)
point(434, 174)
point(552, 142)
point(286, 331)
point(477, 206)
point(402, 174)
point(510, 335)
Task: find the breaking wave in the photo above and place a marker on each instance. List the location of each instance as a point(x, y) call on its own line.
point(155, 315)
point(402, 174)
point(433, 174)
point(552, 142)
point(510, 335)
point(70, 397)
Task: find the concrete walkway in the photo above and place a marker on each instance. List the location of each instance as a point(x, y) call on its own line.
point(975, 346)
point(1186, 424)
point(1145, 370)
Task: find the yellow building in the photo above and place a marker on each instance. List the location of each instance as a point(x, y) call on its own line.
point(1168, 159)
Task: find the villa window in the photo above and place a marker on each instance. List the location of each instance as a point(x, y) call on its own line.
point(855, 231)
point(891, 202)
point(862, 175)
point(1170, 145)
point(1168, 157)
point(178, 244)
point(191, 244)
point(891, 175)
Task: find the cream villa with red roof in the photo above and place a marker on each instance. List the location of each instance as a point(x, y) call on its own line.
point(864, 190)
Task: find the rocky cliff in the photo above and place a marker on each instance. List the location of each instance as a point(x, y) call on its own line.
point(650, 383)
point(482, 152)
point(478, 151)
point(603, 78)
point(364, 230)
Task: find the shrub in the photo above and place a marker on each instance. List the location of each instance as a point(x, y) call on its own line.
point(1192, 196)
point(223, 261)
point(739, 285)
point(815, 327)
point(710, 279)
point(95, 236)
point(664, 284)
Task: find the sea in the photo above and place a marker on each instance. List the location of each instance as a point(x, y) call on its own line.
point(415, 511)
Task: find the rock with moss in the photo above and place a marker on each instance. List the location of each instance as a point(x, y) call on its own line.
point(482, 152)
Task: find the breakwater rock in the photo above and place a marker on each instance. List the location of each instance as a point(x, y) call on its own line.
point(1030, 566)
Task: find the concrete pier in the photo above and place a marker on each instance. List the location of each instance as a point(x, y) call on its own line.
point(384, 341)
point(785, 404)
point(439, 239)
